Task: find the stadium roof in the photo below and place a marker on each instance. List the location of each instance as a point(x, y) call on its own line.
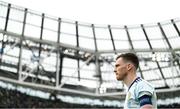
point(116, 12)
point(52, 52)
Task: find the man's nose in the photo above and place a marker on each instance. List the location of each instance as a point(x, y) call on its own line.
point(115, 71)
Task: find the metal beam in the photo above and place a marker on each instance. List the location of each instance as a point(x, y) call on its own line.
point(98, 72)
point(132, 47)
point(97, 63)
point(58, 54)
point(114, 48)
point(41, 36)
point(7, 17)
point(147, 39)
point(164, 35)
point(62, 45)
point(60, 68)
point(175, 26)
point(75, 91)
point(129, 38)
point(15, 35)
point(94, 35)
point(169, 45)
point(19, 70)
point(77, 53)
point(59, 30)
point(157, 63)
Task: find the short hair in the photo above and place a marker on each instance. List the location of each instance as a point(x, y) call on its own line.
point(130, 57)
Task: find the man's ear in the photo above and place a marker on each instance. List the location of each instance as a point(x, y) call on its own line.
point(129, 66)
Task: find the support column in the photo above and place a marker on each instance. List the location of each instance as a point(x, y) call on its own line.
point(77, 53)
point(58, 54)
point(19, 70)
point(40, 44)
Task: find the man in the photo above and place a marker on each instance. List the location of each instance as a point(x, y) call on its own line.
point(140, 94)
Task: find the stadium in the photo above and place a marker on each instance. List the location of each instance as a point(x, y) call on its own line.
point(51, 62)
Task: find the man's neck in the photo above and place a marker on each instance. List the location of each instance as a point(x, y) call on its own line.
point(129, 79)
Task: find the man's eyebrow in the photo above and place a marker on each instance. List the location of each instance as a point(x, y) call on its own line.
point(117, 65)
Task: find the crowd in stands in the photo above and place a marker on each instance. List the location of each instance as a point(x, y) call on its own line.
point(15, 99)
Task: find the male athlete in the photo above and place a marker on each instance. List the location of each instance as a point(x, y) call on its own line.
point(140, 94)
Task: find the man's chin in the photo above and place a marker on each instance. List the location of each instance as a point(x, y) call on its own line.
point(119, 79)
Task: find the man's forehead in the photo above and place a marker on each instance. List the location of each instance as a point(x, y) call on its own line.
point(119, 60)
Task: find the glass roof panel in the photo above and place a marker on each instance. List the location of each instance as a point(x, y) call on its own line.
point(34, 19)
point(15, 27)
point(68, 28)
point(172, 82)
point(16, 14)
point(14, 70)
point(119, 34)
point(86, 43)
point(15, 21)
point(121, 44)
point(13, 52)
point(88, 83)
point(108, 72)
point(138, 38)
point(3, 11)
point(158, 83)
point(120, 38)
point(86, 38)
point(69, 80)
point(169, 30)
point(49, 61)
point(159, 44)
point(85, 31)
point(136, 34)
point(33, 25)
point(50, 29)
point(175, 42)
point(104, 45)
point(49, 35)
point(68, 39)
point(171, 34)
point(103, 39)
point(87, 70)
point(69, 67)
point(68, 34)
point(153, 32)
point(138, 45)
point(155, 74)
point(2, 22)
point(169, 72)
point(102, 33)
point(32, 31)
point(3, 14)
point(155, 36)
point(177, 70)
point(177, 81)
point(165, 64)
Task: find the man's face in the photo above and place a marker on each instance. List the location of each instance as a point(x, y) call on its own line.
point(121, 69)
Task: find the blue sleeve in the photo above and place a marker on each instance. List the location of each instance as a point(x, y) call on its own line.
point(145, 99)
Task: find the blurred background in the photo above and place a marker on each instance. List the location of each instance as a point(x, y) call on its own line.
point(51, 62)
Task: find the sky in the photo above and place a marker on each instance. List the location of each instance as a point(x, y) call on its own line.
point(115, 12)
